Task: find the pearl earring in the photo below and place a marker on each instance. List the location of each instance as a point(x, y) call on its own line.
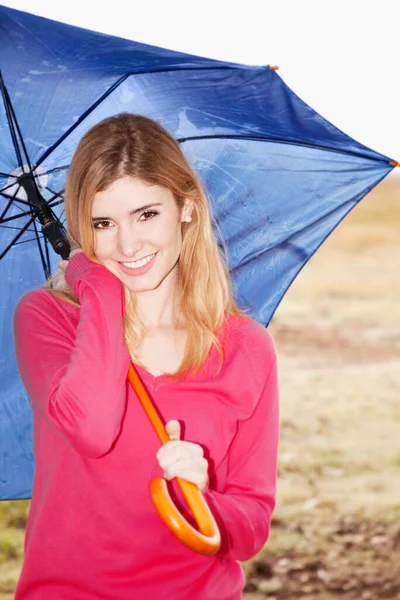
point(188, 219)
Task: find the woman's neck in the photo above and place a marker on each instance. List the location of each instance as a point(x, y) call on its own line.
point(159, 308)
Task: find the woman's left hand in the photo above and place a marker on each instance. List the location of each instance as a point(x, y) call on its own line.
point(63, 264)
point(183, 459)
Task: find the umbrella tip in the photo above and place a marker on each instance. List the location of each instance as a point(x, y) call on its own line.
point(394, 163)
point(273, 67)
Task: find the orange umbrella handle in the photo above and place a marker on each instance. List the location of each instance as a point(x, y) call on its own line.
point(208, 539)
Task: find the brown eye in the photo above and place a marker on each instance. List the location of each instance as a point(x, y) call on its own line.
point(100, 223)
point(150, 212)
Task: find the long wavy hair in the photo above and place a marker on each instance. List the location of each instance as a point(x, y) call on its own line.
point(131, 145)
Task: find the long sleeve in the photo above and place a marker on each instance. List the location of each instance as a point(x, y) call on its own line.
point(76, 379)
point(116, 543)
point(243, 512)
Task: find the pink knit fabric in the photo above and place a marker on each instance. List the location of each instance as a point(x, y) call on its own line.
point(92, 532)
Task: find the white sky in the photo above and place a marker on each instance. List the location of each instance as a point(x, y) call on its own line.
point(341, 57)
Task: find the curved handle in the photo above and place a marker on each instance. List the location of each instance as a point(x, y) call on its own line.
point(208, 539)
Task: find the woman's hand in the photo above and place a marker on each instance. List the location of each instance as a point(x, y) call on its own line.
point(63, 264)
point(183, 459)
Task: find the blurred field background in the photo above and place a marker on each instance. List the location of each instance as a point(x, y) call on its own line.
point(336, 529)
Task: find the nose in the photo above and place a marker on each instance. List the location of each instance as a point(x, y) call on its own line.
point(129, 243)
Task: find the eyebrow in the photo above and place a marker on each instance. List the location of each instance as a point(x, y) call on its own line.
point(133, 212)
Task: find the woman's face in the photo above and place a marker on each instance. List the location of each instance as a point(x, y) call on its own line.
point(134, 222)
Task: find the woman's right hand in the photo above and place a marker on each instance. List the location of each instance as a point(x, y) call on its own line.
point(63, 264)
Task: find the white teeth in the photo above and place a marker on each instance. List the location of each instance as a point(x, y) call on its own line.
point(138, 263)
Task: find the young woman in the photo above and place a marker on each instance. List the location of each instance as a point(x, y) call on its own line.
point(145, 282)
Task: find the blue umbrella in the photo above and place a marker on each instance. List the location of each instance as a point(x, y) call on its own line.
point(279, 177)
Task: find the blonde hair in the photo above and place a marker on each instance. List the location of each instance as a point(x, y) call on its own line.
point(130, 145)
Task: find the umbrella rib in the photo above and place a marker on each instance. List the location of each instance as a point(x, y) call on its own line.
point(280, 141)
point(257, 253)
point(13, 199)
point(13, 218)
point(10, 202)
point(10, 245)
point(56, 169)
point(51, 202)
point(81, 118)
point(282, 295)
point(6, 100)
point(2, 193)
point(8, 186)
point(55, 194)
point(206, 68)
point(37, 237)
point(287, 239)
point(117, 84)
point(13, 122)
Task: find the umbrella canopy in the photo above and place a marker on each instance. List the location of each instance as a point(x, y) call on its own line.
point(279, 177)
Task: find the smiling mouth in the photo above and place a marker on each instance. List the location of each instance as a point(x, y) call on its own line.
point(121, 262)
point(137, 260)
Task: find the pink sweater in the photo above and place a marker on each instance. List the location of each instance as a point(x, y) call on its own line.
point(92, 531)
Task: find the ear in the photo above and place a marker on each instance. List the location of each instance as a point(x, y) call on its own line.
point(187, 209)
